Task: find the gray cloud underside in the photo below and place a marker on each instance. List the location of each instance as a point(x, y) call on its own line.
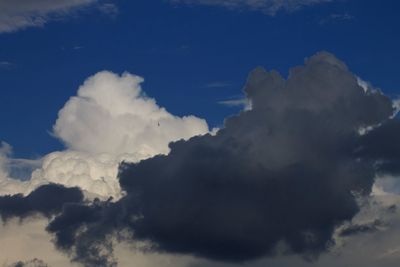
point(46, 200)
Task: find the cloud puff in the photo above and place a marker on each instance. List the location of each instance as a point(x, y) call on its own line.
point(270, 7)
point(94, 174)
point(284, 174)
point(15, 15)
point(109, 121)
point(111, 114)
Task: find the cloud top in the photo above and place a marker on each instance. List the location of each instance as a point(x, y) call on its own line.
point(111, 114)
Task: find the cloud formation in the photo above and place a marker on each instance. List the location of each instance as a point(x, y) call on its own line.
point(46, 200)
point(288, 176)
point(270, 7)
point(15, 15)
point(282, 176)
point(111, 114)
point(110, 120)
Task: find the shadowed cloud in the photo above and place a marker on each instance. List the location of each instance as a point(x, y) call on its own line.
point(46, 200)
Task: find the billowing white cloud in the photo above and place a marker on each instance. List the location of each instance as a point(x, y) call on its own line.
point(109, 121)
point(111, 114)
point(270, 7)
point(96, 175)
point(19, 14)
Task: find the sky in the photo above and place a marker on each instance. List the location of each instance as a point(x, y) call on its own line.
point(213, 133)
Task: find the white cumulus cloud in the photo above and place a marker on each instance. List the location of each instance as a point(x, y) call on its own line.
point(109, 121)
point(111, 114)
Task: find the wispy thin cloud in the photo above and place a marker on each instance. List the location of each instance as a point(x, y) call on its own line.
point(237, 102)
point(109, 9)
point(269, 7)
point(21, 14)
point(333, 18)
point(218, 84)
point(6, 65)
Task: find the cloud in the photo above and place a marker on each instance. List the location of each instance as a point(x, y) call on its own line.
point(218, 85)
point(47, 200)
point(111, 114)
point(270, 7)
point(94, 174)
point(31, 263)
point(241, 102)
point(22, 242)
point(6, 65)
point(7, 185)
point(109, 9)
point(16, 15)
point(109, 121)
point(334, 18)
point(279, 178)
point(285, 177)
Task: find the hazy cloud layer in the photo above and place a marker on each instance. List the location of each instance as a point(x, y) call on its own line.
point(19, 14)
point(281, 177)
point(270, 7)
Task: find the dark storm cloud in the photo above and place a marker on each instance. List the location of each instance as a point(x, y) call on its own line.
point(285, 171)
point(92, 247)
point(46, 200)
point(383, 145)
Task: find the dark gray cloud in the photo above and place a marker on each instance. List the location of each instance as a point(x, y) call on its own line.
point(355, 229)
point(286, 171)
point(382, 144)
point(270, 7)
point(92, 246)
point(46, 200)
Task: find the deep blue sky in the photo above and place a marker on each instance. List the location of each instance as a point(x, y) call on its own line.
point(179, 50)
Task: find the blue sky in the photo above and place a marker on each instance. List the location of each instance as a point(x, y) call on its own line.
point(191, 56)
